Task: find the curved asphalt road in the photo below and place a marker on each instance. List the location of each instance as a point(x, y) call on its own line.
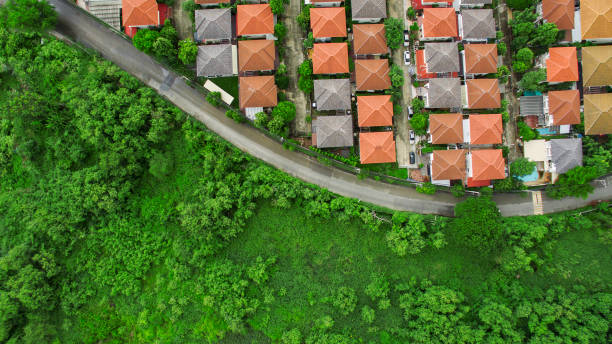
point(80, 27)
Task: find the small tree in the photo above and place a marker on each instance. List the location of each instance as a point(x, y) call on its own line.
point(214, 98)
point(169, 32)
point(411, 13)
point(233, 114)
point(532, 81)
point(545, 35)
point(524, 55)
point(501, 48)
point(190, 6)
point(304, 17)
point(277, 6)
point(419, 123)
point(521, 167)
point(426, 188)
point(368, 314)
point(458, 190)
point(280, 31)
point(261, 120)
point(502, 74)
point(305, 82)
point(397, 76)
point(188, 51)
point(477, 222)
point(28, 15)
point(519, 4)
point(281, 78)
point(526, 132)
point(394, 31)
point(309, 41)
point(163, 47)
point(144, 39)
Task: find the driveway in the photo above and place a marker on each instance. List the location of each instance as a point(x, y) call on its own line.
point(74, 23)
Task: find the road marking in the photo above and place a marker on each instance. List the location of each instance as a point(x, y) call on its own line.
point(538, 207)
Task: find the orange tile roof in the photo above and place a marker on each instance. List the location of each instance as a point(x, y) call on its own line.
point(597, 65)
point(480, 58)
point(439, 22)
point(564, 106)
point(328, 22)
point(446, 128)
point(206, 2)
point(448, 164)
point(330, 58)
point(376, 147)
point(562, 65)
point(256, 19)
point(140, 13)
point(372, 74)
point(369, 39)
point(596, 19)
point(257, 91)
point(483, 94)
point(488, 164)
point(256, 54)
point(486, 129)
point(374, 111)
point(559, 12)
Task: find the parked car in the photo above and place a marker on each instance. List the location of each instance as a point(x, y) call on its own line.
point(407, 57)
point(412, 158)
point(412, 136)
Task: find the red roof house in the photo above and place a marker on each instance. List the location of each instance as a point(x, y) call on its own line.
point(330, 58)
point(374, 111)
point(564, 107)
point(328, 22)
point(487, 164)
point(446, 128)
point(448, 164)
point(562, 65)
point(254, 20)
point(376, 147)
point(486, 129)
point(439, 23)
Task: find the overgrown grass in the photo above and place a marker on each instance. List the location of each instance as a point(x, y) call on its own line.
point(229, 84)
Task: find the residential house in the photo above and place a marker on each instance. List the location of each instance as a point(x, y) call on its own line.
point(597, 65)
point(563, 107)
point(332, 131)
point(562, 65)
point(374, 111)
point(532, 109)
point(213, 25)
point(473, 3)
point(137, 14)
point(438, 24)
point(372, 75)
point(479, 59)
point(482, 94)
point(369, 40)
point(215, 60)
point(442, 93)
point(477, 25)
point(556, 156)
point(596, 25)
point(368, 11)
point(256, 55)
point(559, 12)
point(330, 58)
point(323, 3)
point(447, 165)
point(598, 114)
point(257, 93)
point(109, 11)
point(332, 94)
point(484, 129)
point(376, 147)
point(438, 60)
point(485, 165)
point(255, 21)
point(327, 22)
point(446, 128)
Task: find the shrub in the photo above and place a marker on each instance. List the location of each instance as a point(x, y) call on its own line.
point(309, 41)
point(345, 300)
point(281, 78)
point(458, 190)
point(28, 15)
point(477, 223)
point(397, 76)
point(190, 6)
point(233, 114)
point(411, 13)
point(160, 165)
point(526, 132)
point(519, 4)
point(394, 32)
point(214, 98)
point(532, 81)
point(426, 188)
point(368, 314)
point(188, 51)
point(277, 7)
point(280, 31)
point(501, 48)
point(144, 39)
point(521, 167)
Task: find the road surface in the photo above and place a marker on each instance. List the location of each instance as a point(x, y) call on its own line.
point(80, 27)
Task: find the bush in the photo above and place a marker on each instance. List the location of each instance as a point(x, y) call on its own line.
point(477, 223)
point(280, 31)
point(214, 98)
point(233, 114)
point(345, 300)
point(277, 7)
point(144, 39)
point(188, 51)
point(190, 6)
point(304, 18)
point(394, 32)
point(521, 167)
point(458, 190)
point(397, 76)
point(426, 188)
point(161, 164)
point(519, 4)
point(368, 314)
point(28, 15)
point(411, 13)
point(261, 120)
point(532, 81)
point(526, 132)
point(309, 41)
point(501, 48)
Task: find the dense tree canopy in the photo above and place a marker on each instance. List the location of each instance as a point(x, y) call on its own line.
point(28, 15)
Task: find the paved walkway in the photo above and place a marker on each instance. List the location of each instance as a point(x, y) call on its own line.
point(293, 58)
point(182, 20)
point(74, 23)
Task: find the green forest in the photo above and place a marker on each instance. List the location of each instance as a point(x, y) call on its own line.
point(125, 221)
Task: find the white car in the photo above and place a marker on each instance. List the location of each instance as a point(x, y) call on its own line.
point(411, 136)
point(407, 58)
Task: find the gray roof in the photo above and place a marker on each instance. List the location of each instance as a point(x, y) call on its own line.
point(476, 2)
point(442, 57)
point(566, 154)
point(332, 94)
point(213, 24)
point(333, 131)
point(478, 24)
point(365, 9)
point(444, 93)
point(214, 60)
point(532, 105)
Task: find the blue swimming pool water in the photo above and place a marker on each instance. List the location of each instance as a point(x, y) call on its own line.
point(546, 131)
point(532, 93)
point(531, 177)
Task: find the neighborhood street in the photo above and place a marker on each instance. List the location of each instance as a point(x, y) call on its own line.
point(79, 26)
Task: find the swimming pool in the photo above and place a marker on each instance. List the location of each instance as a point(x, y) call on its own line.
point(546, 131)
point(531, 177)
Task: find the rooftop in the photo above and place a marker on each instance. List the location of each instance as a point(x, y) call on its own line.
point(596, 19)
point(372, 74)
point(448, 164)
point(564, 106)
point(328, 22)
point(486, 129)
point(256, 54)
point(478, 24)
point(330, 58)
point(483, 94)
point(442, 57)
point(257, 91)
point(532, 105)
point(566, 154)
point(480, 58)
point(559, 12)
point(374, 111)
point(446, 128)
point(439, 22)
point(597, 65)
point(444, 93)
point(369, 39)
point(368, 9)
point(598, 114)
point(140, 13)
point(254, 19)
point(214, 23)
point(376, 147)
point(332, 94)
point(488, 164)
point(562, 65)
point(214, 60)
point(333, 131)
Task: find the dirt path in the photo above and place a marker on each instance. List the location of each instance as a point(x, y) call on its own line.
point(182, 21)
point(293, 58)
